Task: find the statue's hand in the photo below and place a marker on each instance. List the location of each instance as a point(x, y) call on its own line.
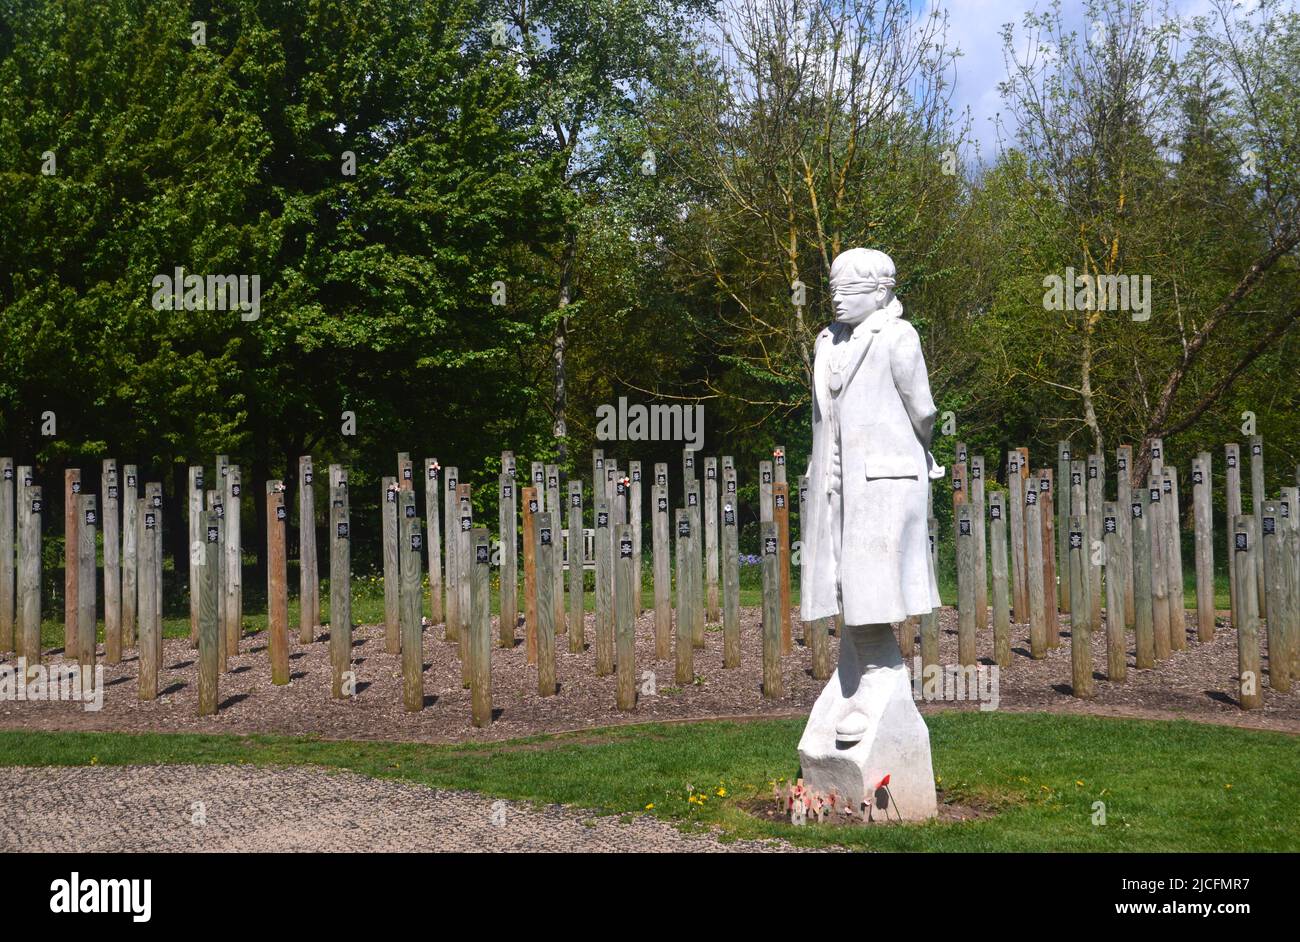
point(935, 471)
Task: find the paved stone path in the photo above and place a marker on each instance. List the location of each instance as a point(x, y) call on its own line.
point(298, 808)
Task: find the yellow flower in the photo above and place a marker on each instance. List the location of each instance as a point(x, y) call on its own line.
point(1229, 785)
point(1078, 781)
point(722, 793)
point(650, 807)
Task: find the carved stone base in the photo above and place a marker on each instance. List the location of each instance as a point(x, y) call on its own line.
point(865, 726)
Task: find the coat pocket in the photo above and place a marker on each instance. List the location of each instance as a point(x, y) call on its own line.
point(890, 466)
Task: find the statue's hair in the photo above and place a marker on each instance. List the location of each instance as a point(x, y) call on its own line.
point(862, 269)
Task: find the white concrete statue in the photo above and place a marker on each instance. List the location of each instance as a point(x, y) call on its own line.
point(865, 541)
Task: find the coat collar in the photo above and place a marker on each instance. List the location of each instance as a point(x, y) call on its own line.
point(873, 323)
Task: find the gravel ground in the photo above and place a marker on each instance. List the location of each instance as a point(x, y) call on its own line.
point(1196, 683)
point(247, 809)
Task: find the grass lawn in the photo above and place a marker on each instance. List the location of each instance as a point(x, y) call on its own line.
point(1167, 786)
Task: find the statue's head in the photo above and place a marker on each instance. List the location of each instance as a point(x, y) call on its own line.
point(862, 281)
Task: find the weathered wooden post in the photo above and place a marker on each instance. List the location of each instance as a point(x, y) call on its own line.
point(215, 503)
point(537, 476)
point(433, 543)
point(28, 641)
point(998, 566)
point(411, 603)
point(508, 533)
point(765, 482)
point(147, 604)
point(1272, 543)
point(731, 582)
point(451, 533)
point(556, 572)
point(930, 620)
point(71, 529)
point(8, 641)
point(1096, 490)
point(773, 687)
point(625, 619)
point(1116, 642)
point(277, 583)
point(977, 499)
point(1232, 500)
point(1143, 602)
point(577, 586)
point(781, 515)
point(22, 510)
point(1289, 521)
point(965, 585)
point(464, 580)
point(110, 523)
point(597, 470)
point(711, 569)
point(532, 507)
point(1080, 623)
point(210, 630)
point(88, 520)
point(634, 520)
point(479, 630)
point(617, 517)
point(392, 573)
point(547, 533)
point(1123, 498)
point(153, 495)
point(1250, 696)
point(662, 570)
point(1174, 559)
point(194, 523)
point(308, 557)
point(685, 619)
point(1034, 571)
point(1203, 521)
point(1257, 497)
point(1047, 513)
point(1063, 465)
point(604, 551)
point(1016, 517)
point(688, 465)
point(696, 574)
point(340, 591)
point(232, 574)
point(130, 494)
point(1160, 620)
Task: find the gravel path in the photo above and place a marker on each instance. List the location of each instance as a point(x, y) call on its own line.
point(247, 808)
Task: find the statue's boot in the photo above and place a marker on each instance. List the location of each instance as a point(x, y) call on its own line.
point(865, 726)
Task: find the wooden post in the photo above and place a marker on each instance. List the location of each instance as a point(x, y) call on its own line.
point(1080, 623)
point(71, 529)
point(451, 534)
point(765, 481)
point(634, 520)
point(929, 620)
point(1047, 513)
point(149, 646)
point(577, 584)
point(1257, 497)
point(1063, 524)
point(130, 495)
point(624, 619)
point(711, 570)
point(604, 549)
point(597, 470)
point(977, 499)
point(1161, 622)
point(480, 647)
point(7, 545)
point(1034, 572)
point(1203, 520)
point(965, 584)
point(22, 510)
point(392, 573)
point(308, 558)
point(111, 522)
point(210, 630)
point(232, 575)
point(998, 566)
point(1290, 523)
point(153, 496)
point(1123, 498)
point(88, 520)
point(1272, 543)
point(508, 532)
point(1174, 560)
point(696, 569)
point(464, 579)
point(547, 533)
point(685, 620)
point(1016, 512)
point(216, 504)
point(661, 563)
point(277, 583)
point(29, 576)
point(1143, 602)
point(411, 607)
point(1116, 640)
point(688, 466)
point(1250, 696)
point(556, 510)
point(340, 592)
point(1232, 499)
point(781, 515)
point(772, 681)
point(196, 517)
point(532, 507)
point(433, 544)
point(1096, 490)
point(731, 581)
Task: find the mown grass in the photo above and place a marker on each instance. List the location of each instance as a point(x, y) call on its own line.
point(1166, 786)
